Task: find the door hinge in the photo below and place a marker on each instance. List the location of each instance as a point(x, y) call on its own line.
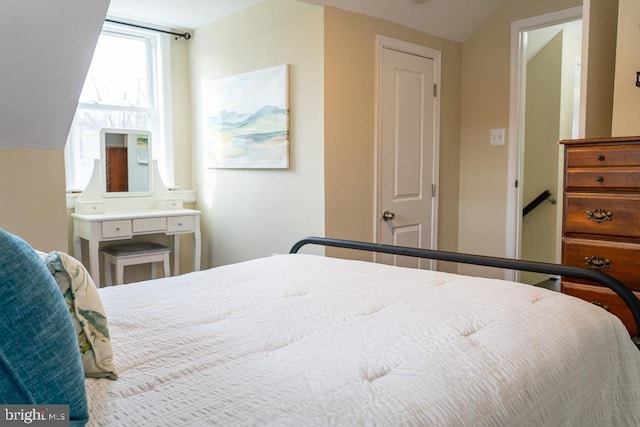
point(435, 90)
point(433, 190)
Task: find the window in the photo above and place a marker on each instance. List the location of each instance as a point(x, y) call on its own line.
point(126, 88)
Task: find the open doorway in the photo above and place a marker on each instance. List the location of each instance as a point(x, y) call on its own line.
point(545, 108)
point(552, 101)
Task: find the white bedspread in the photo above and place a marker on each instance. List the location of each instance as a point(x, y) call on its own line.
point(303, 340)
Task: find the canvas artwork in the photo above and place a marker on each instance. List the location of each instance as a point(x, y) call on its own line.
point(246, 120)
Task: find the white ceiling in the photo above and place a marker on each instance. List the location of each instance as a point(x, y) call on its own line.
point(451, 19)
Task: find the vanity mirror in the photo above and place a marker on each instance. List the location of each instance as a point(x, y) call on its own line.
point(126, 162)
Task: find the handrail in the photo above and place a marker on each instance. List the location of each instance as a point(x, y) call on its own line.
point(545, 195)
point(511, 264)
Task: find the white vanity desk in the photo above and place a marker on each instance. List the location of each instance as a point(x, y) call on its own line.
point(121, 225)
point(99, 218)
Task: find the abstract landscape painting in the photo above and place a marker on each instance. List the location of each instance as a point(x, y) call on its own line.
point(246, 120)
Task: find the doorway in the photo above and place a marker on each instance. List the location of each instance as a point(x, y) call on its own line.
point(545, 105)
point(117, 172)
point(407, 149)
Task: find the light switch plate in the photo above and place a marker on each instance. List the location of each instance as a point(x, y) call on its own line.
point(496, 137)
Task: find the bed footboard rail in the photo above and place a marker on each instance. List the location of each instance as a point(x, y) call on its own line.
point(615, 285)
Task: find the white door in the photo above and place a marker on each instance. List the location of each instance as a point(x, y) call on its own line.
point(407, 153)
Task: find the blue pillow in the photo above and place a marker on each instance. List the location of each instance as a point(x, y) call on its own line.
point(39, 357)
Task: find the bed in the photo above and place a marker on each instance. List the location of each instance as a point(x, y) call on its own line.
point(299, 339)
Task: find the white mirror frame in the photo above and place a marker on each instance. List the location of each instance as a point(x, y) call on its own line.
point(142, 156)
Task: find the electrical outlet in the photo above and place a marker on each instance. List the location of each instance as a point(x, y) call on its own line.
point(496, 137)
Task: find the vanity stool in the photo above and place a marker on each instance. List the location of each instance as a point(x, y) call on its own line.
point(136, 253)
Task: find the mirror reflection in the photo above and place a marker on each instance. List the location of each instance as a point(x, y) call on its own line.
point(126, 158)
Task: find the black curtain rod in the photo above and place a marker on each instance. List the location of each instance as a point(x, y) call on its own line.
point(185, 36)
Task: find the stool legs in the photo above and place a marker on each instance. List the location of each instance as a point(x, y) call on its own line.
point(121, 262)
point(165, 265)
point(167, 268)
point(119, 272)
point(107, 271)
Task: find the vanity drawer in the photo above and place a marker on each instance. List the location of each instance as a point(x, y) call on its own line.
point(603, 178)
point(169, 204)
point(149, 225)
point(180, 224)
point(617, 259)
point(612, 215)
point(89, 207)
point(602, 297)
point(616, 155)
point(120, 228)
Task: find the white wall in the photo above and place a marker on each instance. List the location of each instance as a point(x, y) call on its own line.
point(251, 213)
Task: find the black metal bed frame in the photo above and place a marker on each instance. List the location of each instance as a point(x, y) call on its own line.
point(615, 285)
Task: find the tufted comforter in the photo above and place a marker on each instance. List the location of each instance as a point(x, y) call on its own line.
point(305, 340)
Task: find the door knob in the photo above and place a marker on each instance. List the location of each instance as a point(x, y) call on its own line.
point(388, 216)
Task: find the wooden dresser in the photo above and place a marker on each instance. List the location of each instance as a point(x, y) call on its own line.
point(601, 217)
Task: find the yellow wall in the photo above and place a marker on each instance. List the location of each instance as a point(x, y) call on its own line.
point(350, 96)
point(626, 101)
point(602, 17)
point(485, 105)
point(181, 114)
point(32, 196)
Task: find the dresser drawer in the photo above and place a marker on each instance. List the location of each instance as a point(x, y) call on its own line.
point(613, 215)
point(120, 228)
point(614, 155)
point(614, 258)
point(603, 297)
point(603, 178)
point(180, 224)
point(149, 225)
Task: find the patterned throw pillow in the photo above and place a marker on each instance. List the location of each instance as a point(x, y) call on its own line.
point(87, 313)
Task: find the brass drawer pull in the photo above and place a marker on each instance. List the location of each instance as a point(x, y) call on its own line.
point(601, 157)
point(600, 179)
point(599, 215)
point(599, 304)
point(597, 262)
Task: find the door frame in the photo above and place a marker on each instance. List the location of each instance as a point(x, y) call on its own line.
point(516, 119)
point(383, 42)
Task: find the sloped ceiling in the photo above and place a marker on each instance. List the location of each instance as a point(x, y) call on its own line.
point(450, 19)
point(45, 51)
